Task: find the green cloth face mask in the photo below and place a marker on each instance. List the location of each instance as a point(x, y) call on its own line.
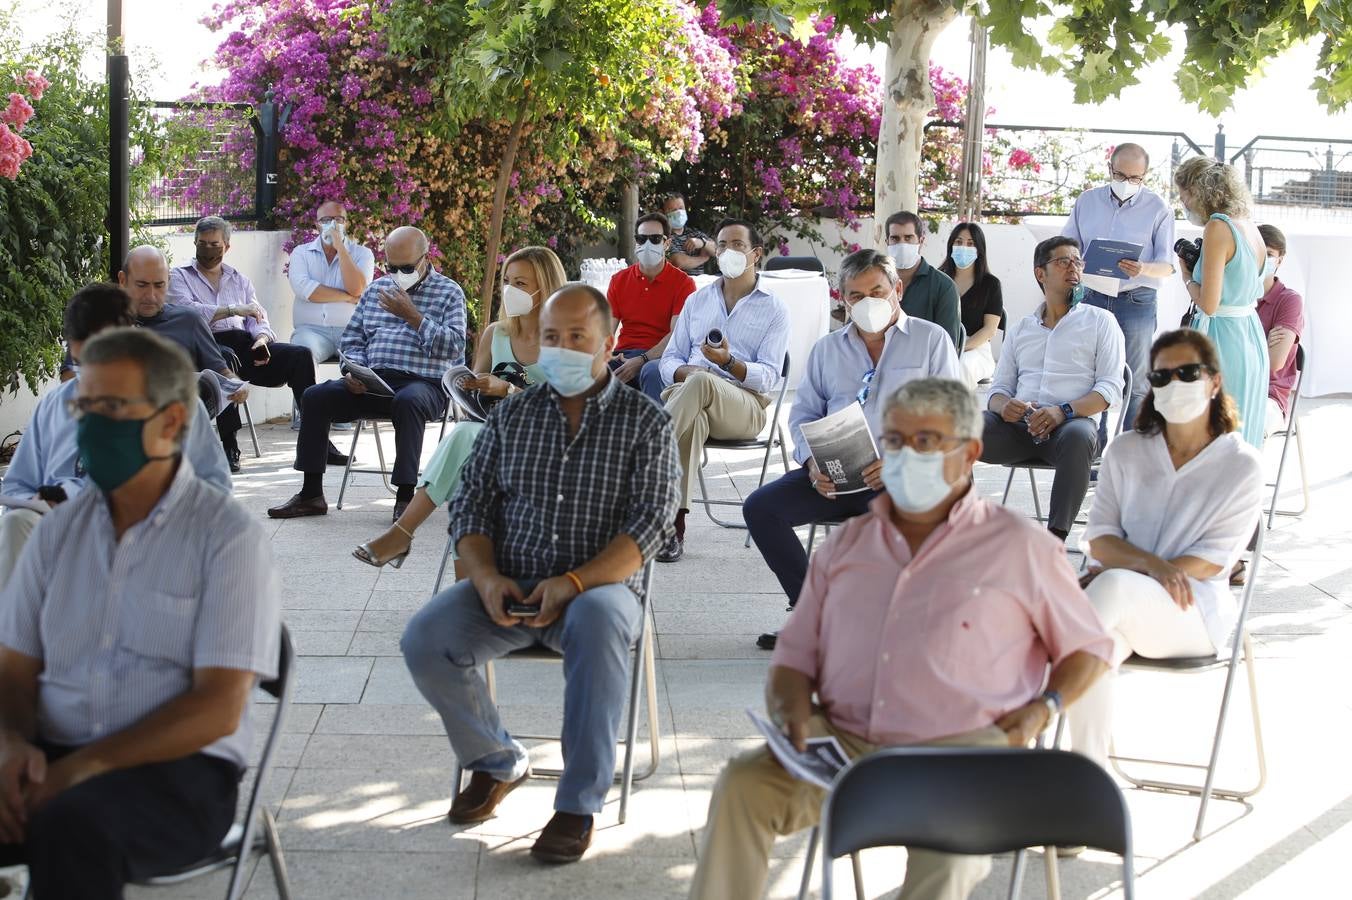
point(111, 450)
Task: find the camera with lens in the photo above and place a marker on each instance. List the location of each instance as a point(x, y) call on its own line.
point(715, 338)
point(1188, 251)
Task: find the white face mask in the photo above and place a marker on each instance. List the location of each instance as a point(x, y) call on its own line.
point(904, 255)
point(568, 371)
point(732, 263)
point(1179, 402)
point(406, 280)
point(516, 302)
point(649, 254)
point(871, 314)
point(915, 481)
point(331, 232)
point(1269, 267)
point(1124, 190)
point(1194, 217)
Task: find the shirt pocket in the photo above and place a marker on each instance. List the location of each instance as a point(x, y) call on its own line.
point(160, 626)
point(891, 378)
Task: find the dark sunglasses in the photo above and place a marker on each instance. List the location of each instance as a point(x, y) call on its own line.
point(408, 269)
point(642, 239)
point(1187, 374)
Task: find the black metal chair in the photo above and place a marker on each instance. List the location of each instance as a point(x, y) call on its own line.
point(1241, 646)
point(232, 360)
point(244, 838)
point(807, 263)
point(643, 676)
point(773, 438)
point(1292, 430)
point(972, 800)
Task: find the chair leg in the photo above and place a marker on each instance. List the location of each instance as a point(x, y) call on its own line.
point(858, 877)
point(441, 572)
point(709, 505)
point(351, 455)
point(380, 455)
point(1273, 511)
point(650, 677)
point(278, 860)
point(1016, 874)
point(805, 887)
point(783, 448)
point(1009, 482)
point(253, 435)
point(1208, 787)
point(1037, 501)
point(1053, 873)
point(631, 725)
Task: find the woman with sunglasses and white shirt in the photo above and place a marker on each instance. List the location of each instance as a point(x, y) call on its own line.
point(1177, 500)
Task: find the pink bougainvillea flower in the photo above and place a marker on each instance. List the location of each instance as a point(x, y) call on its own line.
point(13, 151)
point(33, 83)
point(17, 114)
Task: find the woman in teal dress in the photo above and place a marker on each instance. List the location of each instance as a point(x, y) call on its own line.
point(1227, 282)
point(529, 276)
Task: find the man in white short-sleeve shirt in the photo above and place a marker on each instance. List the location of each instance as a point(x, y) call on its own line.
point(328, 275)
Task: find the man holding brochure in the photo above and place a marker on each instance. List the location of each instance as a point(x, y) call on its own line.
point(1127, 232)
point(896, 632)
point(851, 371)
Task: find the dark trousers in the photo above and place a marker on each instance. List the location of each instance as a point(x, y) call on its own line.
point(89, 841)
point(416, 402)
point(649, 379)
point(774, 510)
point(1071, 448)
point(289, 364)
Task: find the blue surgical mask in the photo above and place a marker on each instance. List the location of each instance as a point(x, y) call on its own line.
point(677, 218)
point(914, 480)
point(963, 257)
point(1269, 267)
point(568, 371)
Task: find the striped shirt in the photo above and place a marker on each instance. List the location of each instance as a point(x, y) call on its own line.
point(757, 332)
point(189, 287)
point(382, 340)
point(120, 625)
point(550, 503)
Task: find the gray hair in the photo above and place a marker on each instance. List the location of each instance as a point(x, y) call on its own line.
point(860, 261)
point(208, 224)
point(168, 372)
point(941, 397)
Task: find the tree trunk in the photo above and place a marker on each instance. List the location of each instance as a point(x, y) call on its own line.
point(505, 166)
point(907, 99)
point(628, 223)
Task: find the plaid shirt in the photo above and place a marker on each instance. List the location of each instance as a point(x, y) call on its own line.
point(550, 504)
point(382, 340)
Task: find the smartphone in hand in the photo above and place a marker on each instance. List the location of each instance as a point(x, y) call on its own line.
point(522, 609)
point(262, 354)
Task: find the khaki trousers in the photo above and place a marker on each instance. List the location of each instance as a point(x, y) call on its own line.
point(704, 406)
point(15, 527)
point(755, 800)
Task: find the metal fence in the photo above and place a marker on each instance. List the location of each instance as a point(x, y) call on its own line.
point(1298, 176)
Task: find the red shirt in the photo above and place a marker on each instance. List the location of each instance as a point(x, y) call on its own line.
point(1282, 307)
point(645, 308)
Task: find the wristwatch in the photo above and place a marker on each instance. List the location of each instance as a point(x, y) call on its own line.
point(1068, 411)
point(1052, 699)
point(727, 366)
point(644, 356)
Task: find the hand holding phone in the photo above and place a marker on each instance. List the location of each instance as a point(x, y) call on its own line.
point(524, 610)
point(261, 353)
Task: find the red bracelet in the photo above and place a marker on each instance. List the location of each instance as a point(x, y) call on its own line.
point(577, 582)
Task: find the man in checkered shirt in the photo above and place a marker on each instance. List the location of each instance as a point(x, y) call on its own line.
point(572, 488)
point(409, 326)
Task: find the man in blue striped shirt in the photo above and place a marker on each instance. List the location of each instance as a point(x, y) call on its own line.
point(142, 614)
point(409, 327)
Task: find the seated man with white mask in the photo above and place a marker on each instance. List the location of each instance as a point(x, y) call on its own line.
point(926, 293)
point(865, 362)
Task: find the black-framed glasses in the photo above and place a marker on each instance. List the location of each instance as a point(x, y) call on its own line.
point(641, 239)
point(1186, 374)
point(408, 269)
point(921, 441)
point(1129, 179)
point(862, 396)
point(112, 407)
point(1066, 262)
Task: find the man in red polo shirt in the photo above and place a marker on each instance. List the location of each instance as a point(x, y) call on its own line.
point(1281, 310)
point(646, 298)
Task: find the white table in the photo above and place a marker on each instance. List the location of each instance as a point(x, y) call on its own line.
point(808, 296)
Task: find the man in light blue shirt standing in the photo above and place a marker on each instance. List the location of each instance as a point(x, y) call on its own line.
point(724, 360)
point(329, 275)
point(1126, 210)
point(881, 349)
point(46, 465)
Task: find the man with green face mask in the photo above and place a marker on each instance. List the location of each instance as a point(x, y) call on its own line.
point(140, 618)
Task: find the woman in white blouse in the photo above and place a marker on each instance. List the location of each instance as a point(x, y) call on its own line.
point(1177, 500)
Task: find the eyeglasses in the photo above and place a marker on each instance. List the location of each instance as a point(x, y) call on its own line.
point(862, 396)
point(921, 441)
point(642, 239)
point(1066, 262)
point(329, 220)
point(112, 407)
point(1186, 374)
point(1129, 179)
point(408, 269)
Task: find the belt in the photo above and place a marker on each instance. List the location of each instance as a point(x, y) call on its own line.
point(1231, 312)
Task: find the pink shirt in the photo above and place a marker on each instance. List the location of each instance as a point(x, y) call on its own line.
point(906, 650)
point(189, 287)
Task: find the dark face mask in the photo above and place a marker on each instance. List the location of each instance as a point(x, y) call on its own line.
point(209, 257)
point(111, 450)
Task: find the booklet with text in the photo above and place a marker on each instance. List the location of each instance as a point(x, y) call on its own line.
point(374, 383)
point(843, 447)
point(1100, 264)
point(819, 764)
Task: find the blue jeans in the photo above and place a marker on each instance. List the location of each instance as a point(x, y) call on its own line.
point(449, 638)
point(1135, 314)
point(321, 340)
point(649, 377)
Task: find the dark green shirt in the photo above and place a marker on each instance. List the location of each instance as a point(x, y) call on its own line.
point(933, 296)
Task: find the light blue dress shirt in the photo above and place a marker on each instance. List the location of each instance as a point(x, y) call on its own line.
point(1050, 366)
point(757, 333)
point(1145, 219)
point(913, 348)
point(311, 269)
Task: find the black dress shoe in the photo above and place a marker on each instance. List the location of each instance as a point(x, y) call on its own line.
point(672, 550)
point(335, 458)
point(298, 507)
point(564, 839)
point(232, 457)
point(767, 641)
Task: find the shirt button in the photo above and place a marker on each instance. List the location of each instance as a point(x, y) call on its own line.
point(565, 457)
point(553, 537)
point(559, 498)
point(881, 704)
point(886, 657)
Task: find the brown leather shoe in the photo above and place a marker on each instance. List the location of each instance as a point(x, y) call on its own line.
point(299, 506)
point(479, 801)
point(564, 839)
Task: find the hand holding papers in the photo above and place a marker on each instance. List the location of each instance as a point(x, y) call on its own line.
point(374, 383)
point(1101, 272)
point(843, 447)
point(819, 764)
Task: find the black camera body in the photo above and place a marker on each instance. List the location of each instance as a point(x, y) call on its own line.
point(1188, 251)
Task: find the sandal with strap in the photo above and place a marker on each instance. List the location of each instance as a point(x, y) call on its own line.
point(368, 556)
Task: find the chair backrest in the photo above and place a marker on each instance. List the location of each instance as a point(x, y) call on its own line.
point(808, 263)
point(975, 800)
point(779, 398)
point(1122, 423)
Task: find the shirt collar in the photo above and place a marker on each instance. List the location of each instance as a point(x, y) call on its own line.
point(1269, 296)
point(226, 270)
point(599, 401)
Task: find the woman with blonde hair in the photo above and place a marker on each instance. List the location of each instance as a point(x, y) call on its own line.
point(1227, 282)
point(529, 277)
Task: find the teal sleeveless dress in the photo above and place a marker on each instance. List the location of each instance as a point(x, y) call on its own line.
point(442, 475)
point(1238, 335)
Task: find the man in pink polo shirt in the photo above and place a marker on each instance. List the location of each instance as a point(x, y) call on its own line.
point(907, 637)
point(1282, 312)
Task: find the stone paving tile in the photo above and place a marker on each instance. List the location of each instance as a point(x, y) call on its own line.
point(331, 679)
point(364, 874)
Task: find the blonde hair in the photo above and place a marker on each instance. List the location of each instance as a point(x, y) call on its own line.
point(549, 275)
point(1216, 186)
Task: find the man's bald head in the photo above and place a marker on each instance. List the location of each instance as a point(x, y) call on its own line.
point(145, 276)
point(1130, 153)
point(577, 317)
point(579, 299)
point(406, 244)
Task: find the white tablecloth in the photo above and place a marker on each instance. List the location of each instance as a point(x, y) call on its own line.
point(808, 296)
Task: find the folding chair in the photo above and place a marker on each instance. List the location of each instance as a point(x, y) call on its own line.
point(232, 360)
point(773, 438)
point(643, 675)
point(1034, 465)
point(243, 838)
point(1240, 646)
point(971, 800)
point(1292, 430)
point(825, 525)
point(806, 263)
